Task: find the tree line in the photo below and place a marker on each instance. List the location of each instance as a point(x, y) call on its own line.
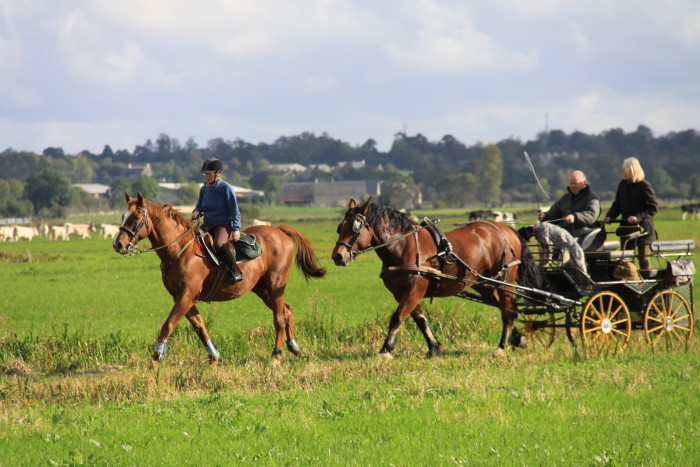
point(447, 171)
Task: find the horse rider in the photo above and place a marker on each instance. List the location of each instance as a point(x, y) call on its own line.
point(222, 218)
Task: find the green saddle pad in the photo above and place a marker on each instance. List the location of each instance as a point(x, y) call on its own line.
point(247, 248)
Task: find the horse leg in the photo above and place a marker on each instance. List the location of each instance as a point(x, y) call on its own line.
point(402, 311)
point(422, 323)
point(292, 345)
point(200, 329)
point(176, 314)
point(509, 333)
point(281, 318)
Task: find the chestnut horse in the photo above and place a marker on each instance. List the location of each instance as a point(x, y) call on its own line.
point(190, 276)
point(486, 256)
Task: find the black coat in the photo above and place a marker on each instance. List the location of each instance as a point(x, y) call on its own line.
point(636, 199)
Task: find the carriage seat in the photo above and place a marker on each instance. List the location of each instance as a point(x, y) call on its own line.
point(592, 240)
point(673, 246)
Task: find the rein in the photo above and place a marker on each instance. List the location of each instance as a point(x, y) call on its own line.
point(135, 250)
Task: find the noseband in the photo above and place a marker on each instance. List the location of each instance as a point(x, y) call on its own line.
point(132, 233)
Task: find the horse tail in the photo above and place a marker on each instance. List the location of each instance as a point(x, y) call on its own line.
point(305, 258)
point(528, 272)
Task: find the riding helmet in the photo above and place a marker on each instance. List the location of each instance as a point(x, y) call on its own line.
point(212, 166)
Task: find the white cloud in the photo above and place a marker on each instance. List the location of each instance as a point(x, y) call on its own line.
point(446, 39)
point(84, 73)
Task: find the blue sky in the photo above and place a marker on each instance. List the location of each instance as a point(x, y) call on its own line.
point(81, 74)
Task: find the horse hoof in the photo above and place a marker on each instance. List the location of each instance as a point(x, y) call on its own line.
point(499, 352)
point(154, 363)
point(385, 355)
point(434, 351)
point(275, 361)
point(213, 363)
point(523, 342)
point(293, 347)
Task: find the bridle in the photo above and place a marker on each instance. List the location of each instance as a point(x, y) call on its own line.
point(131, 247)
point(133, 233)
point(357, 224)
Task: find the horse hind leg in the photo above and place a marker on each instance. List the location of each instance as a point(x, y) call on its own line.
point(282, 319)
point(292, 345)
point(197, 322)
point(422, 324)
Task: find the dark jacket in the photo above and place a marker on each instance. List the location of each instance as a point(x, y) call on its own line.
point(219, 205)
point(585, 207)
point(636, 199)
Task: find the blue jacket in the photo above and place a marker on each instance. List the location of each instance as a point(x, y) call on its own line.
point(219, 206)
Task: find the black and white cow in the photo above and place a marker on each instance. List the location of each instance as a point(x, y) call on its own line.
point(690, 209)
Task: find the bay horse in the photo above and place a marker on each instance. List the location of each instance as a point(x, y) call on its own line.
point(485, 256)
point(189, 275)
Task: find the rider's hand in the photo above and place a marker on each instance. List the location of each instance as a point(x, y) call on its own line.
point(632, 220)
point(540, 216)
point(195, 215)
point(235, 235)
point(607, 220)
point(569, 219)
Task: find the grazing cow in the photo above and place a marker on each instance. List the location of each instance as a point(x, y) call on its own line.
point(259, 222)
point(692, 209)
point(482, 215)
point(59, 232)
point(25, 232)
point(82, 230)
point(43, 230)
point(7, 233)
point(108, 230)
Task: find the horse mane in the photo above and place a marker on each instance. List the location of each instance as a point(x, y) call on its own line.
point(397, 219)
point(167, 210)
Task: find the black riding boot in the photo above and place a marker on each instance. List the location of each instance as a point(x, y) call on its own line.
point(228, 257)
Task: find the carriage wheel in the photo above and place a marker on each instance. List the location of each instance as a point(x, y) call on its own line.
point(538, 329)
point(668, 320)
point(605, 322)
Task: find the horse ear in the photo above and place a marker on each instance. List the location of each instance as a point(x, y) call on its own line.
point(352, 204)
point(365, 205)
point(140, 198)
point(128, 197)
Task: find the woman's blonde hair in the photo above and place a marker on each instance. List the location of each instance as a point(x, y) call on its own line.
point(632, 170)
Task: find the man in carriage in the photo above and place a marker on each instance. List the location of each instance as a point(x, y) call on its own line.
point(577, 210)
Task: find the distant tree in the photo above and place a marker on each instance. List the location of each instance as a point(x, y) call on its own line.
point(117, 189)
point(147, 186)
point(269, 183)
point(489, 174)
point(12, 203)
point(187, 193)
point(107, 151)
point(48, 189)
point(56, 153)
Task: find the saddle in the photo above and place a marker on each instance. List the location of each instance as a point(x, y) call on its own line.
point(247, 248)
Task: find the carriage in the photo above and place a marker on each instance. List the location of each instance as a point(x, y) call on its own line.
point(600, 309)
point(488, 262)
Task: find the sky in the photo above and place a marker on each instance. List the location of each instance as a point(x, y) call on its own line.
point(82, 74)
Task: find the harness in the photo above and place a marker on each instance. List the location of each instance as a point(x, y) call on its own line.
point(447, 256)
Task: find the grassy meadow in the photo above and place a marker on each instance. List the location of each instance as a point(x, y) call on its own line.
point(78, 323)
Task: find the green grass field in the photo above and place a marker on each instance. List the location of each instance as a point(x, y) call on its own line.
point(76, 386)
